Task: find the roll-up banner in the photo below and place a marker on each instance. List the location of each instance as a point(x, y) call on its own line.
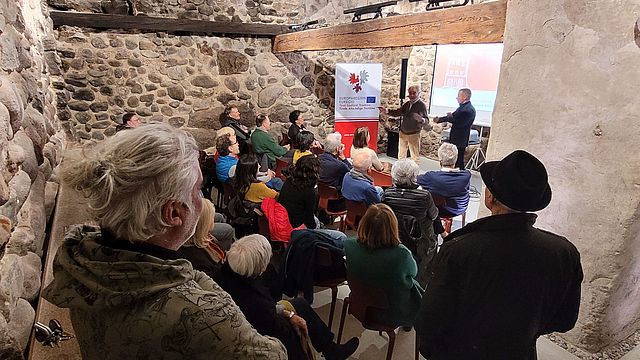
point(357, 99)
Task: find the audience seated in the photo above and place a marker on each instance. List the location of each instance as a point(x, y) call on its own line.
point(289, 321)
point(230, 118)
point(357, 185)
point(129, 292)
point(297, 125)
point(360, 145)
point(333, 164)
point(202, 249)
point(228, 160)
point(377, 259)
point(226, 164)
point(222, 132)
point(304, 141)
point(417, 215)
point(129, 121)
point(263, 143)
point(450, 182)
point(299, 194)
point(246, 183)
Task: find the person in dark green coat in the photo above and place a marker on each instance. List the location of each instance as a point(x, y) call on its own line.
point(264, 143)
point(377, 260)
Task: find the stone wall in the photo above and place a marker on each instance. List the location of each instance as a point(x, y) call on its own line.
point(30, 150)
point(574, 65)
point(143, 67)
point(187, 81)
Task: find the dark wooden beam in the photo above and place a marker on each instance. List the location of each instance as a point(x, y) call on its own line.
point(148, 23)
point(472, 24)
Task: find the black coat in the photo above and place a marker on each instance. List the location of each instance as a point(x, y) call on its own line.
point(257, 305)
point(418, 224)
point(497, 285)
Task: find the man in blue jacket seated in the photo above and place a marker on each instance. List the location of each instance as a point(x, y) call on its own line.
point(450, 182)
point(357, 185)
point(333, 164)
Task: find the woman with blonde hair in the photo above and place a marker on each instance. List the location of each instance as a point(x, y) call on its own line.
point(202, 249)
point(377, 260)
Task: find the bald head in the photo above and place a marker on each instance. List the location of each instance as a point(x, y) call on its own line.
point(362, 162)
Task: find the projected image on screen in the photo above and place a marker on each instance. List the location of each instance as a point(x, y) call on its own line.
point(473, 66)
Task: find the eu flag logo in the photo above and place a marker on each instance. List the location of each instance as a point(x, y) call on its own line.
point(371, 99)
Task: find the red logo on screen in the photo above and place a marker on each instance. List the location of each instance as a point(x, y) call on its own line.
point(358, 80)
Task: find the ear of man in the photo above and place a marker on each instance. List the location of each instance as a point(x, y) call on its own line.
point(173, 212)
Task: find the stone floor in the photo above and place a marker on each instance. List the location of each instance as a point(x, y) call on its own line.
point(374, 346)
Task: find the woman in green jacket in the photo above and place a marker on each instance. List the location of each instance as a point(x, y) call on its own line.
point(377, 260)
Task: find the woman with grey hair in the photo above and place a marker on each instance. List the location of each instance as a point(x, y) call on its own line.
point(289, 321)
point(129, 292)
point(417, 215)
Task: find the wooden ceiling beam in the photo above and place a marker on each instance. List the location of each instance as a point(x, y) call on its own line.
point(149, 23)
point(471, 24)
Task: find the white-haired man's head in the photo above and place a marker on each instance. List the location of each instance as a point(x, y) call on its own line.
point(447, 154)
point(404, 173)
point(332, 143)
point(250, 255)
point(142, 183)
point(362, 161)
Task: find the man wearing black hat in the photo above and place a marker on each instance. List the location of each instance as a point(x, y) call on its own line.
point(499, 283)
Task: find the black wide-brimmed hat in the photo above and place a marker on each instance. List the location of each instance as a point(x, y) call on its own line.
point(519, 181)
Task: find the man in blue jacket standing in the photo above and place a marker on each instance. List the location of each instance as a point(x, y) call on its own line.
point(461, 121)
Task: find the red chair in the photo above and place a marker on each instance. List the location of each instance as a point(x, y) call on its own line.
point(440, 202)
point(330, 271)
point(362, 302)
point(380, 178)
point(355, 212)
point(280, 166)
point(326, 193)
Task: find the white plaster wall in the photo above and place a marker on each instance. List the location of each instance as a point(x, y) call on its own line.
point(568, 93)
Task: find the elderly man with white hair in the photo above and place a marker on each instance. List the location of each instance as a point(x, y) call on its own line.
point(333, 163)
point(418, 219)
point(450, 182)
point(357, 185)
point(289, 321)
point(414, 115)
point(130, 294)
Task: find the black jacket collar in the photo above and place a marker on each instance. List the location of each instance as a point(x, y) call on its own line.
point(110, 240)
point(496, 222)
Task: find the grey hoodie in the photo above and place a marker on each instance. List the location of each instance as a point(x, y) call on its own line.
point(129, 305)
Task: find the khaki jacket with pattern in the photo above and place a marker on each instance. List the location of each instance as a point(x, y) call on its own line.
point(129, 305)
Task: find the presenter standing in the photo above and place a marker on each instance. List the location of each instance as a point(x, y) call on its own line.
point(414, 114)
point(461, 121)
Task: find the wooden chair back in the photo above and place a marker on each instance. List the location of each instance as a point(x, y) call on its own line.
point(440, 202)
point(380, 178)
point(280, 166)
point(355, 212)
point(325, 193)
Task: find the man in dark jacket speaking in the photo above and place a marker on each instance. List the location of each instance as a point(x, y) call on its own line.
point(461, 121)
point(499, 283)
